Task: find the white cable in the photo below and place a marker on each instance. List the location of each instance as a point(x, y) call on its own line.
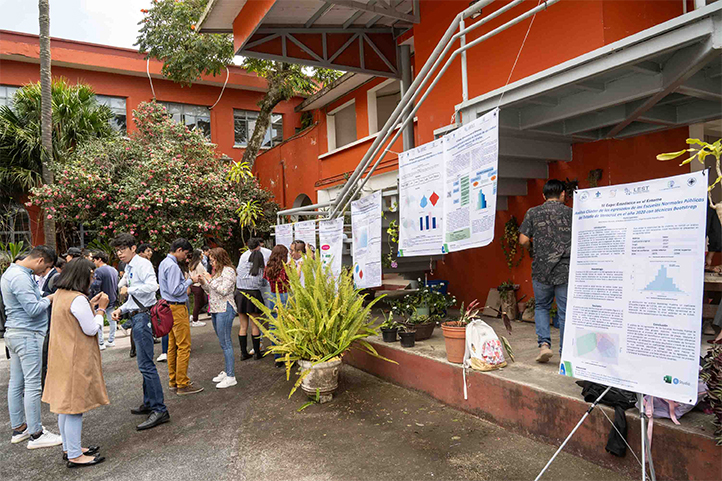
point(147, 70)
point(519, 54)
point(228, 74)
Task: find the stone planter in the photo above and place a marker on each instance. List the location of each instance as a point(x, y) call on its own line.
point(455, 339)
point(509, 305)
point(322, 378)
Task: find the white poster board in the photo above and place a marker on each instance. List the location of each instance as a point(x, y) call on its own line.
point(634, 304)
point(284, 235)
point(306, 232)
point(471, 167)
point(330, 235)
point(366, 227)
point(421, 200)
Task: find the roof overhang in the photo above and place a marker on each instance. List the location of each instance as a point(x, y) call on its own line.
point(350, 35)
point(334, 91)
point(664, 77)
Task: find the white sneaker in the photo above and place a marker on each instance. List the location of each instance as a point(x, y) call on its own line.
point(102, 347)
point(227, 382)
point(198, 324)
point(46, 440)
point(110, 344)
point(19, 438)
point(220, 377)
point(162, 358)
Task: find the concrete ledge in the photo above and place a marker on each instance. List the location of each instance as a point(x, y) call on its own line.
point(678, 451)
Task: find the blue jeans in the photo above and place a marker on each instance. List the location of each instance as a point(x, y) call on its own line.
point(143, 337)
point(71, 427)
point(113, 328)
point(222, 324)
point(164, 344)
point(544, 295)
point(271, 304)
point(25, 386)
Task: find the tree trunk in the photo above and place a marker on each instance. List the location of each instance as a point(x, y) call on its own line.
point(273, 97)
point(46, 115)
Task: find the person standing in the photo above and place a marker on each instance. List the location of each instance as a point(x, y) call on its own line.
point(205, 260)
point(220, 288)
point(75, 378)
point(73, 253)
point(249, 281)
point(107, 279)
point(139, 282)
point(174, 289)
point(197, 271)
point(549, 228)
point(25, 329)
point(275, 274)
point(146, 251)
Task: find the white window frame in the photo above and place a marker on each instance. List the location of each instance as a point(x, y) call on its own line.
point(167, 103)
point(115, 111)
point(331, 124)
point(373, 106)
point(249, 133)
point(7, 97)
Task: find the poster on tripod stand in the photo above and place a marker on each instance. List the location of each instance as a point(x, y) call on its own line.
point(636, 279)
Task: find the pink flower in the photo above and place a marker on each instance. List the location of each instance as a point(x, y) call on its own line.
point(50, 216)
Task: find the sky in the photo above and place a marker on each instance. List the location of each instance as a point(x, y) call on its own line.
point(107, 22)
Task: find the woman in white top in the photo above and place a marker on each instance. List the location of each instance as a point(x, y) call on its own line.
point(221, 288)
point(75, 384)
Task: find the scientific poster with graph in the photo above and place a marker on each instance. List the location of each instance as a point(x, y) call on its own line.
point(366, 228)
point(471, 173)
point(306, 231)
point(421, 200)
point(284, 235)
point(634, 303)
point(330, 246)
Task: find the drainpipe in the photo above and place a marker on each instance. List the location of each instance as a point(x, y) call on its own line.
point(283, 183)
point(405, 52)
point(464, 76)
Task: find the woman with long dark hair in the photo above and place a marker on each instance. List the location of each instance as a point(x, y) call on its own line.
point(75, 382)
point(196, 268)
point(250, 282)
point(275, 274)
point(220, 288)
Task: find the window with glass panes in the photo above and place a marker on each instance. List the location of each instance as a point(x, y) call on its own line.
point(195, 117)
point(244, 123)
point(117, 105)
point(6, 94)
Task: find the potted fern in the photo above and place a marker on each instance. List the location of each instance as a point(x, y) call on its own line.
point(323, 318)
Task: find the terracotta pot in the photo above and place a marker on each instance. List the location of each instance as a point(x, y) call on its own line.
point(423, 331)
point(455, 339)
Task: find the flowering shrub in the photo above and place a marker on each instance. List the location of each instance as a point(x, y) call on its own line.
point(164, 182)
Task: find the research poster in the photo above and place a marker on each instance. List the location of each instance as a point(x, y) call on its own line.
point(634, 304)
point(366, 228)
point(470, 177)
point(421, 200)
point(284, 234)
point(306, 231)
point(330, 235)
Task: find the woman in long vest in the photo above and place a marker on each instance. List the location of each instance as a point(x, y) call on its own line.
point(75, 382)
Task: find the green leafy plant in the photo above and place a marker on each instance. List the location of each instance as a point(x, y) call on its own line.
point(163, 182)
point(510, 244)
point(711, 374)
point(389, 322)
point(389, 260)
point(322, 320)
point(705, 149)
point(418, 319)
point(430, 296)
point(103, 246)
point(9, 252)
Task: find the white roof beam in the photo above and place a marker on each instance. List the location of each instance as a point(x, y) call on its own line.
point(702, 87)
point(679, 68)
point(319, 13)
point(378, 10)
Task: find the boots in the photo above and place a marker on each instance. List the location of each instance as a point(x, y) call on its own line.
point(545, 353)
point(256, 340)
point(243, 341)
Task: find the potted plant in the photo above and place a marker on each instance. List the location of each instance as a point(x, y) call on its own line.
point(407, 335)
point(455, 332)
point(507, 293)
point(324, 318)
point(423, 325)
point(389, 328)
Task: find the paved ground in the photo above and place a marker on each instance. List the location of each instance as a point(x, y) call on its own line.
point(372, 430)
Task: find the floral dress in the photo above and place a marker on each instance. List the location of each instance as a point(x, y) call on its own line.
point(220, 290)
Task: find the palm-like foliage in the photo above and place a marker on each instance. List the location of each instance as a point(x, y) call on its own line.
point(77, 117)
point(323, 318)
